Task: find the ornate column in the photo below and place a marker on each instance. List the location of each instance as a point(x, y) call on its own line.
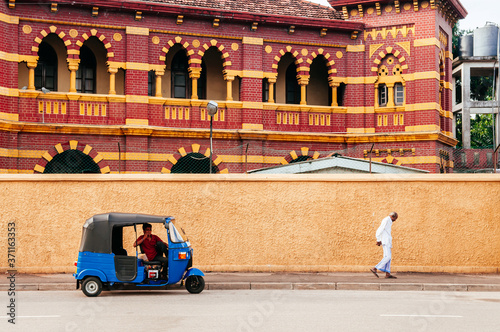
point(334, 87)
point(390, 94)
point(229, 86)
point(31, 75)
point(194, 74)
point(112, 80)
point(73, 65)
point(271, 81)
point(303, 82)
point(376, 104)
point(159, 74)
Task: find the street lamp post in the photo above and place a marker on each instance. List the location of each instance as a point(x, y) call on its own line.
point(212, 108)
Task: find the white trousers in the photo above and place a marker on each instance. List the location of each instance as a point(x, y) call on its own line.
point(385, 264)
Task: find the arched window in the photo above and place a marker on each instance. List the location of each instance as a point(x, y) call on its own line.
point(390, 84)
point(180, 76)
point(72, 161)
point(292, 85)
point(46, 70)
point(86, 73)
point(194, 163)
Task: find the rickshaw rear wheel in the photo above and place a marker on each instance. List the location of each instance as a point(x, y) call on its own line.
point(92, 286)
point(195, 284)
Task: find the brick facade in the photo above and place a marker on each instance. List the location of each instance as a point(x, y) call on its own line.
point(384, 45)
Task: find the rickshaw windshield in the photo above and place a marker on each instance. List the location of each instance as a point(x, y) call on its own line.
point(175, 236)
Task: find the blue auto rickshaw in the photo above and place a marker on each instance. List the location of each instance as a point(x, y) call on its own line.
point(103, 261)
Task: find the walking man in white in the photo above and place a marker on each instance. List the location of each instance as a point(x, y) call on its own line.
point(384, 238)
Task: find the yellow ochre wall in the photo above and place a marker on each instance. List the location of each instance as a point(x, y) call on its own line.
point(239, 222)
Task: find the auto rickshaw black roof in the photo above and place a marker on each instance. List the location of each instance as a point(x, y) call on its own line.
point(100, 230)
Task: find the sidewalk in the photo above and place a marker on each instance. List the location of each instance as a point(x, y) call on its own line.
point(296, 281)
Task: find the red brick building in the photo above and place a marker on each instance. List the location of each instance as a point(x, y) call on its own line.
point(123, 86)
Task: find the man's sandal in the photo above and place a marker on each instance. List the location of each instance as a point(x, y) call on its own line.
point(390, 276)
point(374, 272)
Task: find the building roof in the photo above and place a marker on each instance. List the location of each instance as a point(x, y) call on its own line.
point(338, 164)
point(299, 8)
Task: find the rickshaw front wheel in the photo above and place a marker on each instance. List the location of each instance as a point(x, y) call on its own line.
point(92, 286)
point(195, 284)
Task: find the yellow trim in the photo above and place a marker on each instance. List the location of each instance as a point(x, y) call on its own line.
point(59, 148)
point(355, 48)
point(9, 116)
point(252, 126)
point(39, 168)
point(199, 133)
point(360, 130)
point(422, 107)
point(137, 122)
point(252, 41)
point(422, 128)
point(251, 74)
point(360, 110)
point(253, 105)
point(137, 31)
point(9, 19)
point(427, 42)
point(73, 144)
point(137, 99)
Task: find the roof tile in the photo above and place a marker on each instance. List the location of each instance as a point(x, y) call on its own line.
point(298, 8)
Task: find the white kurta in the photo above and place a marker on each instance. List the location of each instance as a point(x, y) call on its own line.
point(383, 233)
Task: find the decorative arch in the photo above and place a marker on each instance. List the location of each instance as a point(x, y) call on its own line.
point(298, 60)
point(226, 62)
point(190, 52)
point(94, 33)
point(194, 148)
point(44, 33)
point(329, 64)
point(303, 155)
point(60, 148)
point(389, 50)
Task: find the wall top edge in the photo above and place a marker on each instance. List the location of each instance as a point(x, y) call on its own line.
point(250, 178)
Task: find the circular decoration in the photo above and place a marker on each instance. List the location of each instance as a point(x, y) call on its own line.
point(407, 6)
point(73, 33)
point(388, 9)
point(397, 70)
point(370, 11)
point(390, 60)
point(117, 37)
point(268, 49)
point(425, 4)
point(196, 43)
point(234, 46)
point(155, 40)
point(339, 55)
point(354, 12)
point(27, 29)
point(304, 52)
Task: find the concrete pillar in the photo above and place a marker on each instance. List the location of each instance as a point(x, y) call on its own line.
point(466, 106)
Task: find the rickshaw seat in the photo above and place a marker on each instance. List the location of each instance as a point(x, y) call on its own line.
point(151, 263)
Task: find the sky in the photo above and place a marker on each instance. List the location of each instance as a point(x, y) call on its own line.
point(479, 12)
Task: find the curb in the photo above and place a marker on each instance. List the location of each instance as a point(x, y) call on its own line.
point(285, 286)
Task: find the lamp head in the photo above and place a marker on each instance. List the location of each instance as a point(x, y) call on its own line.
point(212, 108)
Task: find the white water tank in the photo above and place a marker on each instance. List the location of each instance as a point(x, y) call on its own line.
point(486, 40)
point(467, 45)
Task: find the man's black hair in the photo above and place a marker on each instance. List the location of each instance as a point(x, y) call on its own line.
point(146, 225)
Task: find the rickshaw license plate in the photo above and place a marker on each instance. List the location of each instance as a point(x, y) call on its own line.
point(153, 274)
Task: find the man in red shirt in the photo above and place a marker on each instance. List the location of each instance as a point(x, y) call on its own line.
point(153, 246)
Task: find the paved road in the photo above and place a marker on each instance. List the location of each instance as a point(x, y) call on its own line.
point(255, 310)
